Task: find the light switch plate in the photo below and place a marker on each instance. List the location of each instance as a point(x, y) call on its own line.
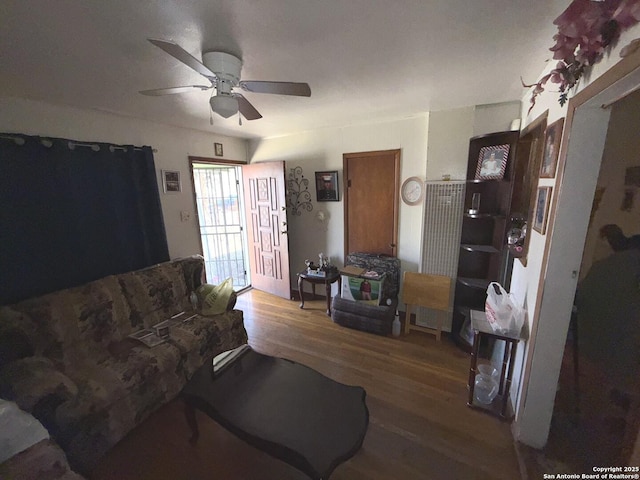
point(185, 216)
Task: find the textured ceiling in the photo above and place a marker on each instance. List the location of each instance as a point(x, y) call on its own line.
point(364, 59)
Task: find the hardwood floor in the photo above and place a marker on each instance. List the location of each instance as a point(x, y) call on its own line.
point(420, 426)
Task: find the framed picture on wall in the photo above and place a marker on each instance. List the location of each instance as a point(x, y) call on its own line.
point(171, 181)
point(327, 186)
point(218, 149)
point(552, 137)
point(492, 162)
point(543, 198)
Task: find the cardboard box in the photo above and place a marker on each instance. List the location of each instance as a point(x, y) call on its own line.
point(359, 288)
point(352, 270)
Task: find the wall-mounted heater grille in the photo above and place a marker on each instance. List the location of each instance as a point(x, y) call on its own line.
point(444, 205)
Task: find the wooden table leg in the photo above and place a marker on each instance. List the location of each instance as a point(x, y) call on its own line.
point(407, 319)
point(327, 284)
point(505, 362)
point(473, 366)
point(190, 415)
point(507, 388)
point(300, 291)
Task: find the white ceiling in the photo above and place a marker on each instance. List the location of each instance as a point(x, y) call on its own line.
point(364, 59)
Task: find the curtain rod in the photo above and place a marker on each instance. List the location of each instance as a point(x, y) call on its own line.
point(70, 144)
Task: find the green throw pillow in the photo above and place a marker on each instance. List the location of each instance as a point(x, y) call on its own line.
point(214, 298)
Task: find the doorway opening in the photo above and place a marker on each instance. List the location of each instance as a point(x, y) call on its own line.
point(220, 208)
point(597, 409)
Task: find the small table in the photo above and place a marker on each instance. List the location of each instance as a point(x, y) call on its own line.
point(313, 279)
point(482, 328)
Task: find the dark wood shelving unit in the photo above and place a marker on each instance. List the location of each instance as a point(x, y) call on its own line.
point(481, 283)
point(479, 248)
point(484, 256)
point(482, 215)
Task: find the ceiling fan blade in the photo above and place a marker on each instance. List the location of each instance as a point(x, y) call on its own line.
point(179, 53)
point(247, 110)
point(171, 90)
point(279, 88)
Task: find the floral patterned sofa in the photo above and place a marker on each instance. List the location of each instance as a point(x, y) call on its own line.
point(66, 358)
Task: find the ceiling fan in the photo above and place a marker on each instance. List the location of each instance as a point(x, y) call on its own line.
point(223, 72)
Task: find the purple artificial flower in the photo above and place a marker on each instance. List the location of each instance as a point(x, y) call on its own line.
point(627, 14)
point(580, 18)
point(585, 30)
point(564, 47)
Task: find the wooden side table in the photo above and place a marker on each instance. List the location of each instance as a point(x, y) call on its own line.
point(315, 279)
point(481, 328)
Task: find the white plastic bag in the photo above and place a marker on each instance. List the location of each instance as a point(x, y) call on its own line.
point(503, 312)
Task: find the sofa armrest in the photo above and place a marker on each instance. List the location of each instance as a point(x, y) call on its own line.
point(14, 345)
point(193, 269)
point(35, 383)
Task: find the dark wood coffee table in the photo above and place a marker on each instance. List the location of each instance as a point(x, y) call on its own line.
point(283, 408)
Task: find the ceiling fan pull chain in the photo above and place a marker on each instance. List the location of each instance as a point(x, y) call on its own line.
point(239, 119)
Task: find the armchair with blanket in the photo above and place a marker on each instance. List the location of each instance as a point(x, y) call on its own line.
point(364, 316)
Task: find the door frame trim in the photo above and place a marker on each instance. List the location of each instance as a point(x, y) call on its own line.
point(213, 161)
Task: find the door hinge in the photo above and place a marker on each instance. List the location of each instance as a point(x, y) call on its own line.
point(348, 183)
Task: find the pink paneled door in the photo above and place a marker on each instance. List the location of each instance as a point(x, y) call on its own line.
point(264, 190)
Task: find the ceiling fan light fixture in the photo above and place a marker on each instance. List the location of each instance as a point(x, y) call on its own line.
point(224, 105)
point(223, 72)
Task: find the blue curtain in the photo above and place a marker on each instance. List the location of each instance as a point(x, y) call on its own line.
point(72, 212)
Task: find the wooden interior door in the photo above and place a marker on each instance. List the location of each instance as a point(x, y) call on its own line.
point(264, 191)
point(371, 201)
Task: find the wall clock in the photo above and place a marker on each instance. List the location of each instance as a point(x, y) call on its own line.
point(412, 191)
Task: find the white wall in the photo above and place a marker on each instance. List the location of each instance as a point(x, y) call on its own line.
point(497, 117)
point(451, 130)
point(322, 149)
point(172, 147)
point(534, 401)
point(448, 150)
